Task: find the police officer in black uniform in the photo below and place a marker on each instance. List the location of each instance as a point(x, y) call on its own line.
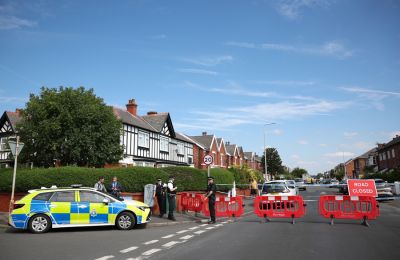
point(211, 191)
point(160, 195)
point(171, 188)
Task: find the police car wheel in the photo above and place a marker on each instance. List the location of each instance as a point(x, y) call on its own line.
point(39, 223)
point(125, 221)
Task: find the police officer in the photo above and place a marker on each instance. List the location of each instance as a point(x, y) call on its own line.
point(159, 193)
point(211, 191)
point(171, 188)
point(100, 185)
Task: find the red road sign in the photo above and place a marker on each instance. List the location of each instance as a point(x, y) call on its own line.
point(362, 188)
point(208, 159)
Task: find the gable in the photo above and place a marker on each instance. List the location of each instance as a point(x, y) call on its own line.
point(165, 129)
point(6, 127)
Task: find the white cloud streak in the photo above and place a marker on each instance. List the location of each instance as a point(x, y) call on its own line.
point(197, 71)
point(375, 97)
point(9, 22)
point(292, 9)
point(209, 61)
point(350, 134)
point(340, 154)
point(303, 142)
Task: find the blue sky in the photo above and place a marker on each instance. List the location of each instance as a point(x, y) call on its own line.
point(326, 72)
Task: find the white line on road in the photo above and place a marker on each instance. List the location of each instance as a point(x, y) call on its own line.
point(151, 251)
point(186, 237)
point(105, 257)
point(199, 232)
point(126, 250)
point(171, 244)
point(210, 228)
point(203, 225)
point(218, 225)
point(225, 222)
point(169, 236)
point(310, 200)
point(136, 258)
point(193, 228)
point(182, 231)
point(150, 242)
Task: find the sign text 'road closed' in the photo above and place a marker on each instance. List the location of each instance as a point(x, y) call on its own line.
point(362, 188)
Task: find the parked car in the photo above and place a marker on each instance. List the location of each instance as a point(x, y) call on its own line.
point(277, 188)
point(334, 184)
point(343, 187)
point(43, 209)
point(383, 189)
point(300, 184)
point(292, 186)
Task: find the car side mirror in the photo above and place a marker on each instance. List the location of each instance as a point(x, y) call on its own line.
point(106, 201)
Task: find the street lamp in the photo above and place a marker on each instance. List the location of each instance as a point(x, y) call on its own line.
point(265, 151)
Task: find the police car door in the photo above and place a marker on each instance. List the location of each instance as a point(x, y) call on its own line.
point(92, 209)
point(62, 206)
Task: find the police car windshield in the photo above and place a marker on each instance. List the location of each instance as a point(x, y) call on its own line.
point(274, 187)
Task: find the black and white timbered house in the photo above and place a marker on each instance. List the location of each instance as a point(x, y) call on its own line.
point(8, 122)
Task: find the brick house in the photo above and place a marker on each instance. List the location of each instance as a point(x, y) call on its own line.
point(8, 123)
point(205, 144)
point(389, 155)
point(349, 166)
point(251, 160)
point(233, 157)
point(222, 158)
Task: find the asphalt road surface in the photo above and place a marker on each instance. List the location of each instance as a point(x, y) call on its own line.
point(248, 238)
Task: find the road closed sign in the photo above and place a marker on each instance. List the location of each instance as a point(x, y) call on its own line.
point(362, 188)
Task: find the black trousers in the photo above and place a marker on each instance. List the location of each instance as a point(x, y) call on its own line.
point(161, 203)
point(171, 205)
point(211, 206)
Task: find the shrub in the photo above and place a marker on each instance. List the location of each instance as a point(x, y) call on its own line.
point(391, 176)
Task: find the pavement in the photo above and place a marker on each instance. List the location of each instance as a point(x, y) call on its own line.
point(248, 237)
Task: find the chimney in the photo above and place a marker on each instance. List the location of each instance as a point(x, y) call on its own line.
point(204, 133)
point(131, 107)
point(228, 143)
point(152, 113)
point(18, 111)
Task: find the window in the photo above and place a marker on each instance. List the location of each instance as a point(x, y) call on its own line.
point(384, 156)
point(88, 196)
point(393, 155)
point(4, 144)
point(43, 196)
point(222, 161)
point(388, 154)
point(190, 160)
point(144, 139)
point(63, 196)
point(181, 148)
point(164, 144)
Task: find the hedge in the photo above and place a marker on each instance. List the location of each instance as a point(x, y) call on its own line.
point(132, 179)
point(387, 176)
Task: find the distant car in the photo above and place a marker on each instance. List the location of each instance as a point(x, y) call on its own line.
point(334, 184)
point(326, 181)
point(43, 209)
point(300, 184)
point(343, 187)
point(383, 189)
point(277, 188)
point(292, 186)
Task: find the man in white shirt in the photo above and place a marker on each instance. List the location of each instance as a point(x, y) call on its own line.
point(171, 189)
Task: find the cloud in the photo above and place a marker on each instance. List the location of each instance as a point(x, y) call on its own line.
point(197, 71)
point(303, 142)
point(350, 134)
point(284, 82)
point(9, 22)
point(376, 97)
point(332, 48)
point(295, 157)
point(292, 9)
point(210, 61)
point(277, 132)
point(12, 100)
point(340, 154)
point(323, 145)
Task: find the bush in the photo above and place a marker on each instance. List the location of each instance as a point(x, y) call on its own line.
point(132, 179)
point(387, 176)
point(245, 175)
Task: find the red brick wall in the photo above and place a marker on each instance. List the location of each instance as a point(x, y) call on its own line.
point(223, 153)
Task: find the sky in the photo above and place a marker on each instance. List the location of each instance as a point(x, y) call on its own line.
point(326, 72)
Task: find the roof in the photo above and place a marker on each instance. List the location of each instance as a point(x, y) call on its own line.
point(204, 140)
point(183, 137)
point(394, 141)
point(248, 155)
point(157, 121)
point(13, 117)
point(240, 150)
point(230, 148)
point(130, 119)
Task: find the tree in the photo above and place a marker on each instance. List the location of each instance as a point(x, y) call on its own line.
point(71, 126)
point(298, 172)
point(274, 162)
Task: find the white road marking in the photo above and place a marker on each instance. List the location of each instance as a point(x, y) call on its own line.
point(151, 251)
point(193, 228)
point(150, 242)
point(218, 225)
point(203, 225)
point(169, 236)
point(199, 232)
point(210, 228)
point(182, 231)
point(186, 237)
point(171, 244)
point(310, 200)
point(105, 257)
point(136, 258)
point(225, 222)
point(126, 250)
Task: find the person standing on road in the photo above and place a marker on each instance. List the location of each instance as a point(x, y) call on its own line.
point(159, 193)
point(100, 185)
point(115, 187)
point(211, 191)
point(254, 188)
point(171, 188)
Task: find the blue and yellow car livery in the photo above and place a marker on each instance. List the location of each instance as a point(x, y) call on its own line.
point(43, 209)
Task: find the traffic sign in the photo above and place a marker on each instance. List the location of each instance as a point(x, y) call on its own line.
point(13, 147)
point(208, 159)
point(362, 188)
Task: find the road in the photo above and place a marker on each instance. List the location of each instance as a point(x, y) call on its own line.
point(248, 238)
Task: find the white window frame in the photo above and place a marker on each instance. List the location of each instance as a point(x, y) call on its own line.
point(164, 144)
point(181, 148)
point(393, 154)
point(3, 144)
point(384, 156)
point(143, 139)
point(388, 154)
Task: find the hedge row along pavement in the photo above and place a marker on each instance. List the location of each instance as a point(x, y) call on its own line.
point(132, 179)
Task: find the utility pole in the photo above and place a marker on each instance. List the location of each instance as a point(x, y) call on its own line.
point(265, 153)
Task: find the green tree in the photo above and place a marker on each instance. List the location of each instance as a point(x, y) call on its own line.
point(274, 162)
point(73, 126)
point(298, 172)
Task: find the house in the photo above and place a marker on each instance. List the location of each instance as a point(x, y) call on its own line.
point(222, 153)
point(359, 165)
point(389, 155)
point(241, 156)
point(372, 160)
point(8, 123)
point(233, 157)
point(349, 167)
point(151, 140)
point(205, 144)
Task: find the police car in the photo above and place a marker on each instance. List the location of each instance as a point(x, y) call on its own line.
point(47, 208)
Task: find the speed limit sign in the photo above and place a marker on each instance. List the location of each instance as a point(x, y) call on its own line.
point(208, 159)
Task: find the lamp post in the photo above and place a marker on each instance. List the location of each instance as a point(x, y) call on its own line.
point(265, 152)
